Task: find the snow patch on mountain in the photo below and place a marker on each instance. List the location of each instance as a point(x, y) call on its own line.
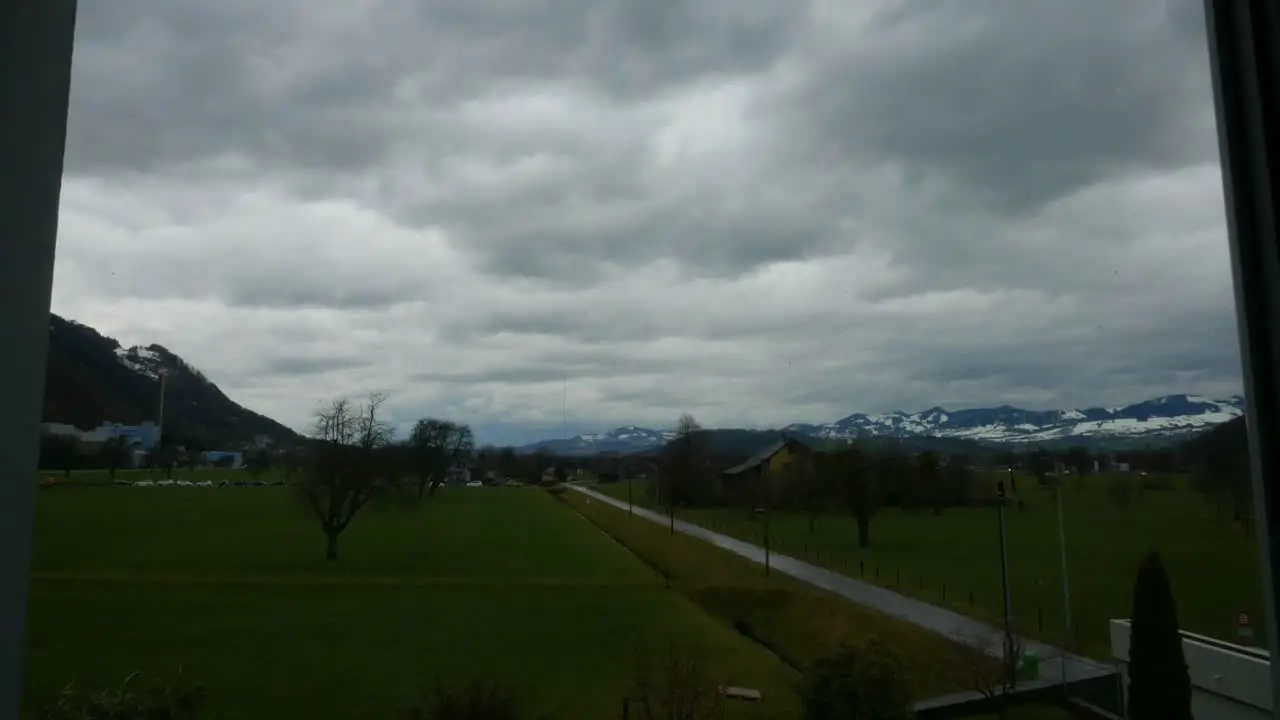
point(1162, 417)
point(142, 360)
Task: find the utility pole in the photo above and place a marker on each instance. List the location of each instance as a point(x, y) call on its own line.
point(164, 377)
point(767, 497)
point(630, 482)
point(35, 52)
point(1004, 581)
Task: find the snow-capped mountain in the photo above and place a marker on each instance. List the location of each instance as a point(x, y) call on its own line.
point(1161, 418)
point(91, 379)
point(620, 440)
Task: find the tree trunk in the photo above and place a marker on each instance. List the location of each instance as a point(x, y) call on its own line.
point(864, 532)
point(331, 548)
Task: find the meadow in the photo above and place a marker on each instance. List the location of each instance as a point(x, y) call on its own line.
point(799, 622)
point(228, 586)
point(954, 559)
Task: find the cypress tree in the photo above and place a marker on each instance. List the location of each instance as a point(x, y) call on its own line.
point(1159, 684)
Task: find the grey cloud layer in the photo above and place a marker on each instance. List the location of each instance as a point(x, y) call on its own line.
point(754, 211)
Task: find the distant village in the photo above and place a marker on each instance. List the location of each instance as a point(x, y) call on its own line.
point(143, 439)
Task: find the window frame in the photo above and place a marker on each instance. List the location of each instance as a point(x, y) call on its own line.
point(1244, 56)
point(36, 38)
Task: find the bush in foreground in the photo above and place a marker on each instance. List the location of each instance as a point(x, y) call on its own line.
point(478, 700)
point(865, 681)
point(672, 684)
point(131, 699)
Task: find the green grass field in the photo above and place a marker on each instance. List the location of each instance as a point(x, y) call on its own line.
point(1214, 568)
point(798, 621)
point(230, 586)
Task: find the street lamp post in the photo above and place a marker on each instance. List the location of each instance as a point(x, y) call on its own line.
point(671, 510)
point(766, 540)
point(1066, 592)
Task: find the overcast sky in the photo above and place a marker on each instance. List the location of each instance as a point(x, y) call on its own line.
point(755, 211)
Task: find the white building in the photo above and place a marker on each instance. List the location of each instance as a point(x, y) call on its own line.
point(1228, 681)
point(144, 436)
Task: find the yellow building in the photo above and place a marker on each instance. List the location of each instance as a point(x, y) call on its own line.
point(772, 460)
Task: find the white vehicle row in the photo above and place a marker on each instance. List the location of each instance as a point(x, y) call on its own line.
point(171, 483)
point(198, 483)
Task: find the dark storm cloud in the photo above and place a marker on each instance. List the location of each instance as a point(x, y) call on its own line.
point(156, 88)
point(622, 49)
point(751, 210)
point(1020, 105)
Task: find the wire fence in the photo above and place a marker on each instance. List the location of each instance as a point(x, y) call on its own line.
point(1039, 618)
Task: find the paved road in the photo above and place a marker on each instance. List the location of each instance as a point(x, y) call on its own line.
point(916, 612)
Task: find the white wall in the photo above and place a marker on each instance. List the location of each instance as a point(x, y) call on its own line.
point(1229, 682)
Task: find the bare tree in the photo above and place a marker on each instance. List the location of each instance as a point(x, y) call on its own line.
point(435, 446)
point(989, 665)
point(686, 475)
point(348, 466)
point(672, 684)
point(858, 487)
point(191, 458)
point(114, 455)
point(257, 462)
point(1120, 491)
point(803, 488)
point(929, 472)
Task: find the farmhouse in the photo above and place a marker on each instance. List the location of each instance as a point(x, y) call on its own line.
point(458, 474)
point(771, 460)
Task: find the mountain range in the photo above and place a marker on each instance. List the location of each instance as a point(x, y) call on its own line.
point(1157, 421)
point(91, 379)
